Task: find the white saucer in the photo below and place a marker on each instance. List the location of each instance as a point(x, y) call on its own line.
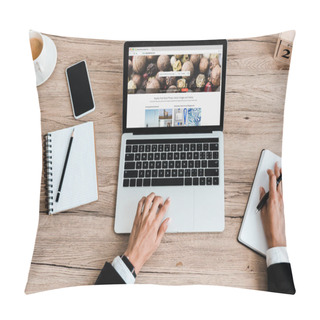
point(50, 62)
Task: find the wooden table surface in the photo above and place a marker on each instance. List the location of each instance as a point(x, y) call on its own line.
point(72, 247)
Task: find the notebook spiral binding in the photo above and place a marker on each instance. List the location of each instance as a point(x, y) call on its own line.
point(49, 172)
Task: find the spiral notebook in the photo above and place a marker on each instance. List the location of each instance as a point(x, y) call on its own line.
point(251, 232)
point(80, 179)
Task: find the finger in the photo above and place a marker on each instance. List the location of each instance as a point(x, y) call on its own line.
point(162, 211)
point(147, 203)
point(138, 213)
point(272, 183)
point(262, 192)
point(277, 170)
point(280, 184)
point(157, 202)
point(163, 228)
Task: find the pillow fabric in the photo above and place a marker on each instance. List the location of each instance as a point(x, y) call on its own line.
point(72, 247)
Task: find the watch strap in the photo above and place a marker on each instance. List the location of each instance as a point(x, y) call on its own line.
point(130, 266)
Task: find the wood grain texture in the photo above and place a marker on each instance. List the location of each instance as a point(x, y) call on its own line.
point(72, 247)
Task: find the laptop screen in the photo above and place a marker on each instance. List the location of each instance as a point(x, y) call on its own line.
point(174, 86)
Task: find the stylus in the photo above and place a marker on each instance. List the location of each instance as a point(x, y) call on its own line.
point(263, 201)
point(64, 167)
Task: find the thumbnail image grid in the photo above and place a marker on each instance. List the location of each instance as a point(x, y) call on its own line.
point(177, 117)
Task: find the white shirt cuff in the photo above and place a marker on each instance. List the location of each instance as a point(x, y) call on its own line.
point(123, 270)
point(277, 255)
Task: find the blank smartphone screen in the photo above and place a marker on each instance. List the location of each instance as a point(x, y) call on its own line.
point(80, 89)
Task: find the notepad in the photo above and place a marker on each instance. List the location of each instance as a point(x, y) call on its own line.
point(80, 180)
point(251, 232)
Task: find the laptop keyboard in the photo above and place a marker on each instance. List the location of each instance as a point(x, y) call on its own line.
point(171, 162)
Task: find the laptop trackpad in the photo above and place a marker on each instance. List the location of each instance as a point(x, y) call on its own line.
point(181, 209)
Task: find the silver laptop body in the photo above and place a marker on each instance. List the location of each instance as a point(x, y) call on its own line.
point(185, 163)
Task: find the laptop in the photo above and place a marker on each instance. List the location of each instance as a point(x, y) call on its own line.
point(172, 141)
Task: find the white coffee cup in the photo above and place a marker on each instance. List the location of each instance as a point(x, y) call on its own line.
point(44, 54)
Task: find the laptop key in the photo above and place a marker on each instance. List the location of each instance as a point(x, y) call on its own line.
point(146, 182)
point(171, 164)
point(176, 156)
point(209, 181)
point(196, 155)
point(187, 172)
point(215, 181)
point(126, 182)
point(192, 147)
point(202, 155)
point(163, 156)
point(144, 157)
point(167, 182)
point(145, 165)
point(129, 165)
point(211, 172)
point(200, 172)
point(202, 181)
point(182, 155)
point(151, 165)
point(141, 174)
point(161, 173)
point(190, 164)
point(177, 164)
point(167, 147)
point(154, 148)
point(188, 181)
point(205, 147)
point(185, 164)
point(189, 155)
point(157, 156)
point(197, 163)
point(173, 147)
point(170, 156)
point(137, 157)
point(180, 172)
point(160, 147)
point(141, 148)
point(148, 173)
point(186, 147)
point(128, 148)
point(129, 157)
point(194, 172)
point(150, 156)
point(158, 164)
point(199, 147)
point(214, 146)
point(139, 182)
point(209, 155)
point(167, 173)
point(215, 155)
point(148, 148)
point(164, 164)
point(154, 173)
point(138, 165)
point(195, 181)
point(135, 149)
point(132, 182)
point(180, 147)
point(131, 173)
point(213, 163)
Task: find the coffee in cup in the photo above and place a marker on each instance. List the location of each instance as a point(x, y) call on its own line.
point(36, 47)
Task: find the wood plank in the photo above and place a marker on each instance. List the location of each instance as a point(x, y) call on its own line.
point(72, 247)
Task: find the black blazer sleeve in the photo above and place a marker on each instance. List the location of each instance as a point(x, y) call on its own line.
point(280, 278)
point(109, 275)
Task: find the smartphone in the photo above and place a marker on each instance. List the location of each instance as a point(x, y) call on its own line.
point(80, 89)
